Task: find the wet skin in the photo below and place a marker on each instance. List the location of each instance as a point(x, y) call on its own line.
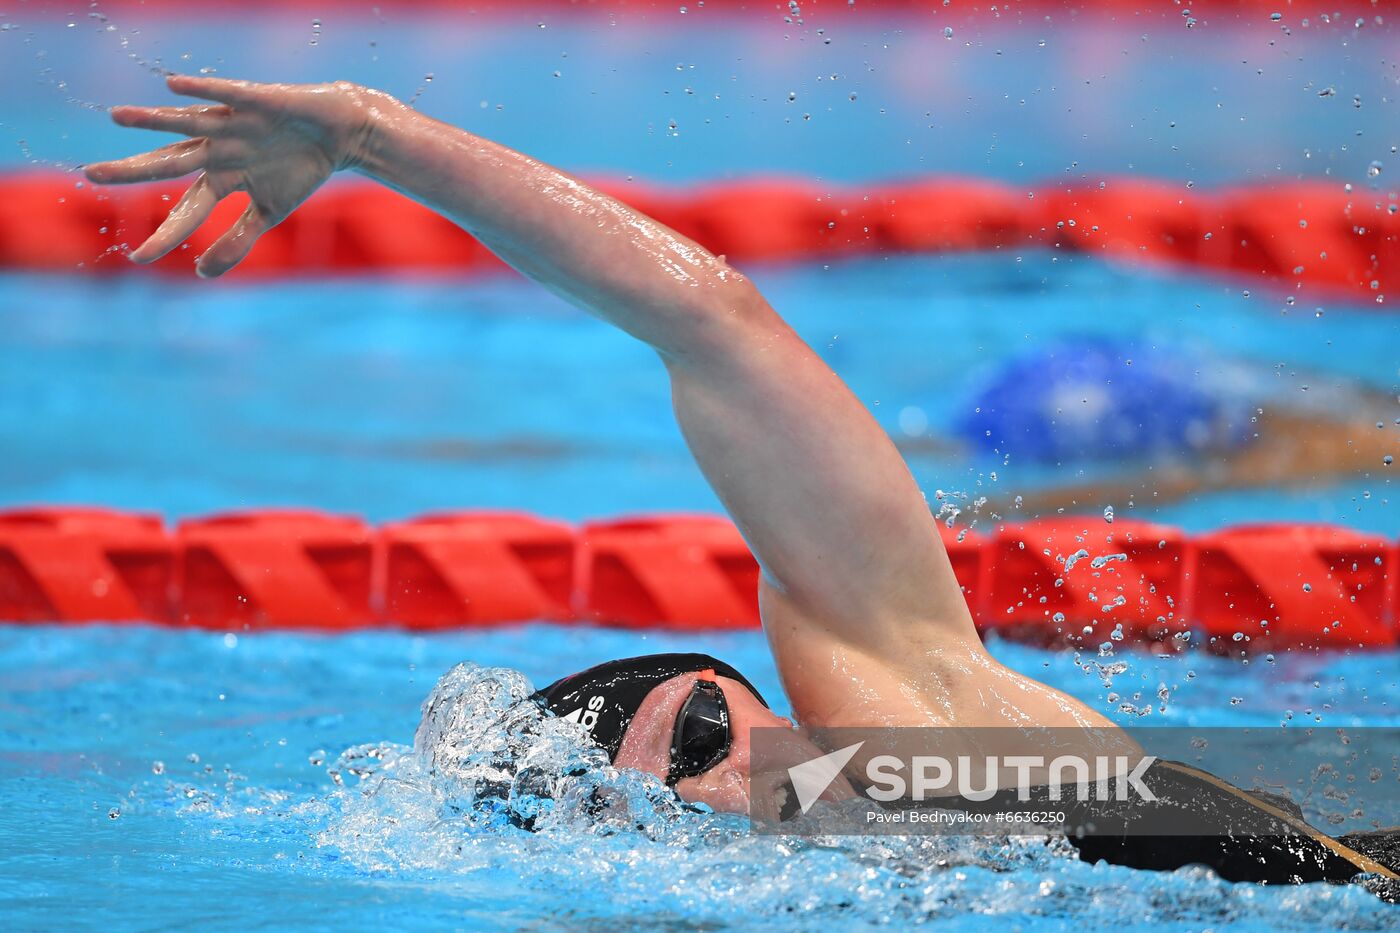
point(866, 621)
point(731, 784)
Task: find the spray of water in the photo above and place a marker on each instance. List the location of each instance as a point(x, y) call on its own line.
point(496, 800)
point(491, 777)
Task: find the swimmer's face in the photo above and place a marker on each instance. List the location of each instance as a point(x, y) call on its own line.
point(730, 784)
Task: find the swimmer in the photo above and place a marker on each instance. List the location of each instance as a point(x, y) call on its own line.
point(867, 624)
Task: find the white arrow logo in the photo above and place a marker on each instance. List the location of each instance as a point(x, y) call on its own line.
point(811, 778)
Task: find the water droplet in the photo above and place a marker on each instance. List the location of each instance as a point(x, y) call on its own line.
point(1374, 169)
point(427, 80)
point(157, 767)
point(113, 813)
point(1108, 514)
point(913, 420)
point(947, 32)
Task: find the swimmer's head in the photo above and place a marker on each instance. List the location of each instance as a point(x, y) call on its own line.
point(683, 717)
point(606, 698)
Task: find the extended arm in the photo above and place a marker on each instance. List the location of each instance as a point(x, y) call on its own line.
point(848, 546)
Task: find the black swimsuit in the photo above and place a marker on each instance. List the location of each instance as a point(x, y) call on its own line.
point(1276, 847)
point(1243, 836)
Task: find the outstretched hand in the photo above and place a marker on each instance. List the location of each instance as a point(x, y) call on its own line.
point(278, 142)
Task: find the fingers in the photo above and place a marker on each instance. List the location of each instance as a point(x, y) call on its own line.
point(195, 120)
point(191, 211)
point(172, 161)
point(229, 249)
point(224, 90)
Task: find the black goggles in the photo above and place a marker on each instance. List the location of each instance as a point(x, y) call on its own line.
point(702, 737)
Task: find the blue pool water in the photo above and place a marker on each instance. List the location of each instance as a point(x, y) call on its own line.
point(1016, 95)
point(388, 397)
point(391, 398)
point(242, 831)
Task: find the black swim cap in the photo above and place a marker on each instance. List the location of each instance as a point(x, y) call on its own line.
point(603, 699)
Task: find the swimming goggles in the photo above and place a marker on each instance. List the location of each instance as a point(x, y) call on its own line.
point(702, 737)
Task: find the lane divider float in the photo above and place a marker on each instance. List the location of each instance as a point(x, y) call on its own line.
point(1076, 581)
point(1291, 235)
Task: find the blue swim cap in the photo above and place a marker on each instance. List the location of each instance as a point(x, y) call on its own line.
point(1093, 399)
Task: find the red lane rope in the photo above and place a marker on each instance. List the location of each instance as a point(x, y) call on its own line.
point(1292, 235)
point(1077, 581)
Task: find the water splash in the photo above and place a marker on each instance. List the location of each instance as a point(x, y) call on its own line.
point(398, 824)
point(492, 779)
point(486, 761)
